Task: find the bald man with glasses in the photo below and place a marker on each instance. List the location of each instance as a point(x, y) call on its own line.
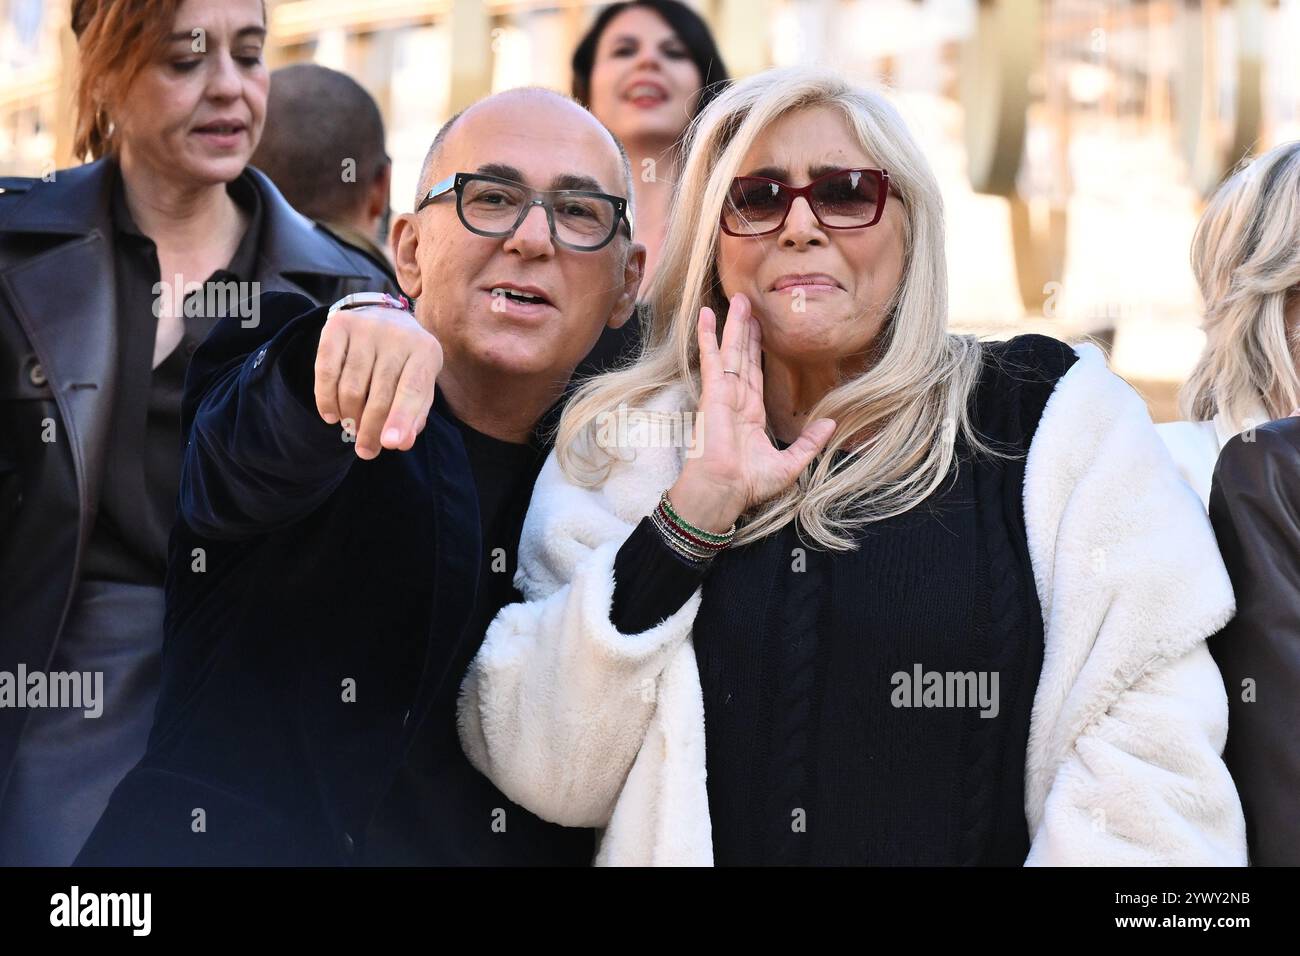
point(353, 489)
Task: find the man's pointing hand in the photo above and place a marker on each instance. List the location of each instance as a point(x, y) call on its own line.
point(375, 372)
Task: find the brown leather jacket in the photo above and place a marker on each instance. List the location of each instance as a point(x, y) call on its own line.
point(1255, 510)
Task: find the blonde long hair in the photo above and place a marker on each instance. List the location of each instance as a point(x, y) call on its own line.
point(913, 400)
point(1246, 257)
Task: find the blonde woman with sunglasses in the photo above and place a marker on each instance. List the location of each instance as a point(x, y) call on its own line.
point(839, 586)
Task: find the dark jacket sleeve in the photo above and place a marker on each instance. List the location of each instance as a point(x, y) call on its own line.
point(1255, 510)
point(258, 456)
point(651, 582)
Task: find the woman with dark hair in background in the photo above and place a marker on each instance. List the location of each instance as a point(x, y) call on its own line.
point(110, 274)
point(646, 69)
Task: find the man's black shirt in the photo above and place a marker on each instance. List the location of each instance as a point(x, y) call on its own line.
point(440, 810)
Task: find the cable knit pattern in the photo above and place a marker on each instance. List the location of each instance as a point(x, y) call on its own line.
point(798, 642)
point(1009, 405)
point(810, 758)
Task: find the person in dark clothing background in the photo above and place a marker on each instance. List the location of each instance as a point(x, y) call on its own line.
point(347, 529)
point(324, 149)
point(1252, 507)
point(111, 274)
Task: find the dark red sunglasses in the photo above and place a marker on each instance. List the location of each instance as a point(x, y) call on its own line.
point(844, 199)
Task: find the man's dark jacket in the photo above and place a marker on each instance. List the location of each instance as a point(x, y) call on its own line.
point(313, 602)
point(58, 364)
point(1255, 510)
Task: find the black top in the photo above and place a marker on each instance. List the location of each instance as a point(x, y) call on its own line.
point(834, 729)
point(142, 472)
point(441, 811)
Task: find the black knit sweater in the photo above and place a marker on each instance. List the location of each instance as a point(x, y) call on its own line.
point(844, 692)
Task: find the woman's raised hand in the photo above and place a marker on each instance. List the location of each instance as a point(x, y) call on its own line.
point(737, 465)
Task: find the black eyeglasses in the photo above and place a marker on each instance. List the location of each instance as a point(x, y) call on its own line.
point(494, 207)
point(844, 199)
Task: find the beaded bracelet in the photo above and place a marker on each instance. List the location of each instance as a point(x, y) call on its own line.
point(686, 539)
point(681, 547)
point(723, 539)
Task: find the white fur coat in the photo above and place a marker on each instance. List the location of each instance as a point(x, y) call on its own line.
point(1195, 446)
point(586, 726)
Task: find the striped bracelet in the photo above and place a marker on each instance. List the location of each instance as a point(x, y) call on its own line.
point(686, 539)
point(682, 547)
point(723, 539)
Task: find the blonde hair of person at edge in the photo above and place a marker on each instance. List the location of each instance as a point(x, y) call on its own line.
point(1246, 257)
point(835, 427)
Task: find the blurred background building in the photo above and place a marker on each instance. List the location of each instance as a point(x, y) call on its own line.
point(1075, 140)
